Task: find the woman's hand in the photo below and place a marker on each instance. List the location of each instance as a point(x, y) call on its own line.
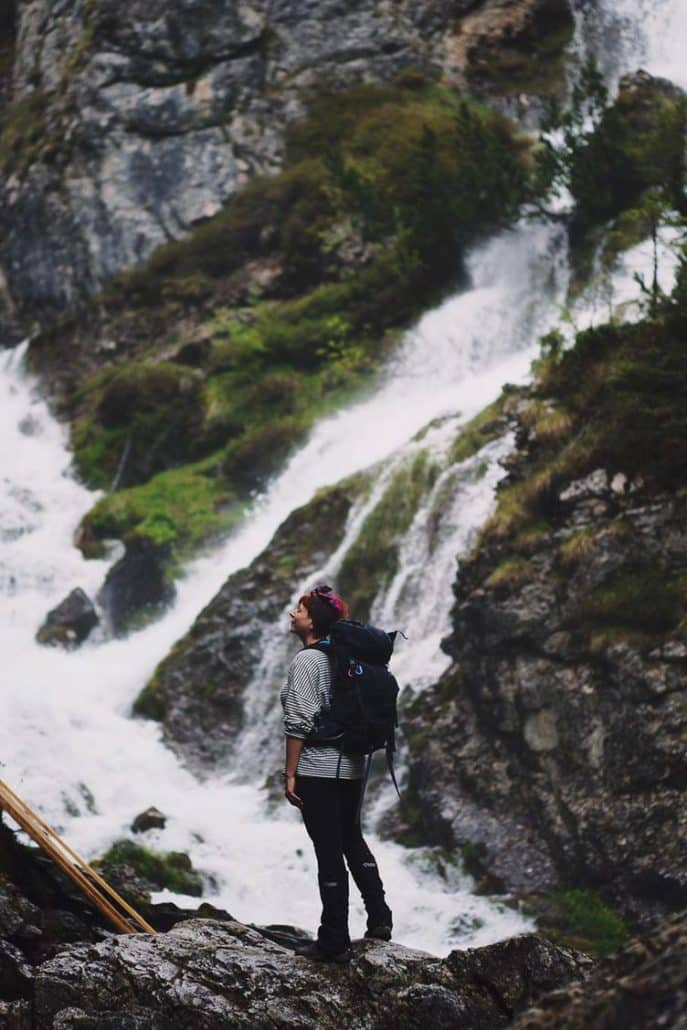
point(290, 791)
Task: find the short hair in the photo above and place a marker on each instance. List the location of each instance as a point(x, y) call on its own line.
point(324, 608)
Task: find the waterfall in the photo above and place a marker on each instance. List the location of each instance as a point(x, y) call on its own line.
point(67, 743)
point(625, 35)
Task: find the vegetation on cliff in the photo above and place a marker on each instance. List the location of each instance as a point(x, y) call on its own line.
point(270, 313)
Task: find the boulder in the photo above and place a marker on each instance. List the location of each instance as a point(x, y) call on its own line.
point(216, 975)
point(136, 585)
point(70, 622)
point(151, 819)
point(643, 985)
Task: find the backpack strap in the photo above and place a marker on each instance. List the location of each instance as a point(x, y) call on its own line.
point(390, 763)
point(368, 764)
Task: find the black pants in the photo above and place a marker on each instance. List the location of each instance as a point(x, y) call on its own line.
point(329, 812)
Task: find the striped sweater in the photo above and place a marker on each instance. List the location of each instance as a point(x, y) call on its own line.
point(307, 691)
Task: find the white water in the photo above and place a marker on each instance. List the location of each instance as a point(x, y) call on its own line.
point(625, 35)
point(66, 736)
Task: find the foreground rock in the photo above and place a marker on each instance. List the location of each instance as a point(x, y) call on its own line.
point(645, 985)
point(216, 975)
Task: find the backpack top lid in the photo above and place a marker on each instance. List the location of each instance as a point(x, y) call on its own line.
point(367, 643)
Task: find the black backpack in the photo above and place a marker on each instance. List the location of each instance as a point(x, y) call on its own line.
point(362, 717)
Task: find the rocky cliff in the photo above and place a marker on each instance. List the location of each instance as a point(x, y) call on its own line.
point(553, 749)
point(128, 127)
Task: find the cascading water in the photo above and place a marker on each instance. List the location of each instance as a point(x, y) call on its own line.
point(625, 35)
point(67, 742)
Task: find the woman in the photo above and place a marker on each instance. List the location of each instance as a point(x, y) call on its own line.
point(326, 784)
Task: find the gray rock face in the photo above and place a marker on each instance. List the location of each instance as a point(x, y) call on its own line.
point(555, 744)
point(156, 113)
point(216, 975)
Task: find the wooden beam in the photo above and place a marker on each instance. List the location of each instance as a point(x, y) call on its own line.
point(96, 889)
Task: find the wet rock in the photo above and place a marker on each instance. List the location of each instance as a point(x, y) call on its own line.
point(135, 871)
point(136, 585)
point(16, 1015)
point(550, 748)
point(16, 975)
point(218, 975)
point(151, 819)
point(70, 622)
point(643, 985)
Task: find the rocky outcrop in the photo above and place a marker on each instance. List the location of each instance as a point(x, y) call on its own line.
point(60, 967)
point(132, 125)
point(198, 692)
point(553, 749)
point(645, 985)
point(217, 975)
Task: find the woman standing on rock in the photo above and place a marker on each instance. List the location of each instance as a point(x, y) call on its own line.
point(326, 785)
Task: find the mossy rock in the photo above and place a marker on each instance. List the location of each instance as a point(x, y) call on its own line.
point(638, 144)
point(135, 420)
point(170, 870)
point(372, 560)
point(620, 394)
point(645, 599)
point(178, 509)
point(579, 919)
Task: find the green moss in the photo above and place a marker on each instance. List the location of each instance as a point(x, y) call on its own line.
point(372, 561)
point(178, 509)
point(478, 432)
point(644, 598)
point(510, 574)
point(172, 870)
point(580, 919)
point(135, 420)
point(23, 135)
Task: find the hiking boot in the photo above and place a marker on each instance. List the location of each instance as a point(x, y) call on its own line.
point(314, 951)
point(379, 933)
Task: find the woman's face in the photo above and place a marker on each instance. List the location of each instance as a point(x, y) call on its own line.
point(301, 623)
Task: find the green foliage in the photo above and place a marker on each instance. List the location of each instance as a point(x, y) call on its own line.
point(567, 130)
point(135, 420)
point(581, 919)
point(412, 175)
point(477, 433)
point(372, 561)
point(178, 509)
point(23, 135)
point(608, 156)
point(171, 869)
point(644, 598)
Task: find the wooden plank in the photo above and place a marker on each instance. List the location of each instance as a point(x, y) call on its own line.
point(87, 879)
